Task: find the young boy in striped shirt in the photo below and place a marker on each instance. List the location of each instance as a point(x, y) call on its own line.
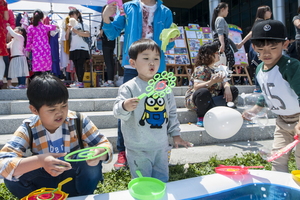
point(54, 134)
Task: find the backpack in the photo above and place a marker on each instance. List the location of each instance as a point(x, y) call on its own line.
point(78, 126)
point(86, 39)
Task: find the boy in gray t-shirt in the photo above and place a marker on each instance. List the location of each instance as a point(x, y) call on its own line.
point(146, 123)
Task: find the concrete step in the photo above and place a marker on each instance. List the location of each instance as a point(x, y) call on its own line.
point(102, 119)
point(16, 107)
point(197, 135)
point(13, 107)
point(99, 92)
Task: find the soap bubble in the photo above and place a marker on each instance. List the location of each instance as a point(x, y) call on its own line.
point(264, 153)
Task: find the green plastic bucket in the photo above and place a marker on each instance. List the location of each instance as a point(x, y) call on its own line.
point(146, 188)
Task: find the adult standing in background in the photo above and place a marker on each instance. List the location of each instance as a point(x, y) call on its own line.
point(108, 47)
point(79, 49)
point(3, 50)
point(221, 30)
point(262, 13)
point(38, 43)
point(142, 19)
point(296, 22)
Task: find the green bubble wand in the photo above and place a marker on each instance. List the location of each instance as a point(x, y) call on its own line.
point(85, 154)
point(160, 85)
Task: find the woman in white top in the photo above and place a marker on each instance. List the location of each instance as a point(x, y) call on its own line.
point(79, 49)
point(18, 67)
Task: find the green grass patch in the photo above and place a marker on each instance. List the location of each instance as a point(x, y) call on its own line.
point(118, 180)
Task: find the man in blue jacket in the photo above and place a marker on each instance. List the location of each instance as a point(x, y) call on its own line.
point(142, 19)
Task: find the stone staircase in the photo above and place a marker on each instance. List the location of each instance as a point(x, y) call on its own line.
point(97, 103)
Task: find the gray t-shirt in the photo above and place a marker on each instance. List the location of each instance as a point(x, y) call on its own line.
point(221, 26)
point(297, 30)
point(148, 126)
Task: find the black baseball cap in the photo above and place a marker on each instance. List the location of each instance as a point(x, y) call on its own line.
point(270, 30)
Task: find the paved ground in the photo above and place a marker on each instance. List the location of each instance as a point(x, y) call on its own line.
point(204, 153)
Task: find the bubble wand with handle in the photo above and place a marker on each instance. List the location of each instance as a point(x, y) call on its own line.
point(160, 85)
point(85, 154)
point(284, 150)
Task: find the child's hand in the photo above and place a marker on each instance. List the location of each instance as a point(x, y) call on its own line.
point(248, 115)
point(94, 162)
point(130, 104)
point(52, 165)
point(110, 10)
point(179, 141)
point(251, 113)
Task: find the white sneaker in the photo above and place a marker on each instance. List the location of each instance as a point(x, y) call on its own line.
point(10, 87)
point(106, 84)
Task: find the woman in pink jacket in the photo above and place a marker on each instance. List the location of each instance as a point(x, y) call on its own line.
point(38, 43)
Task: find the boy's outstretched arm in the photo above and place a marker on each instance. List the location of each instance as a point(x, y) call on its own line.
point(48, 161)
point(249, 114)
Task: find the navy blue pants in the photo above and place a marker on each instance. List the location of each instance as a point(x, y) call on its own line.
point(204, 101)
point(85, 180)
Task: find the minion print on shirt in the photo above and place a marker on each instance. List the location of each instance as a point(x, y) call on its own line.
point(155, 112)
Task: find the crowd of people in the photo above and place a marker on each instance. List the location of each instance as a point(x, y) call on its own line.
point(32, 47)
point(144, 123)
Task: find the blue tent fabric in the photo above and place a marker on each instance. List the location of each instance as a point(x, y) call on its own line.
point(96, 8)
point(12, 1)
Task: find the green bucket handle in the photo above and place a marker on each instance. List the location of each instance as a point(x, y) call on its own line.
point(138, 172)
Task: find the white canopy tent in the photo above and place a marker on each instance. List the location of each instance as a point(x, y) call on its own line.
point(91, 9)
point(88, 3)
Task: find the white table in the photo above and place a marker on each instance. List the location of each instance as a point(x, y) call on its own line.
point(202, 185)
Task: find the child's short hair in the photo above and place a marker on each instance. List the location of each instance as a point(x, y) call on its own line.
point(142, 45)
point(46, 90)
point(268, 32)
point(206, 53)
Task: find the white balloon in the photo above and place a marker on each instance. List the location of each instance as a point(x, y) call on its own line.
point(222, 122)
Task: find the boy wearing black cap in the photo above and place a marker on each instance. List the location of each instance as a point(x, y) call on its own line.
point(279, 79)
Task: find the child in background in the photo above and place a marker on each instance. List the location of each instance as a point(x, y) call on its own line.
point(18, 66)
point(38, 44)
point(278, 77)
point(146, 124)
point(207, 89)
point(53, 136)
